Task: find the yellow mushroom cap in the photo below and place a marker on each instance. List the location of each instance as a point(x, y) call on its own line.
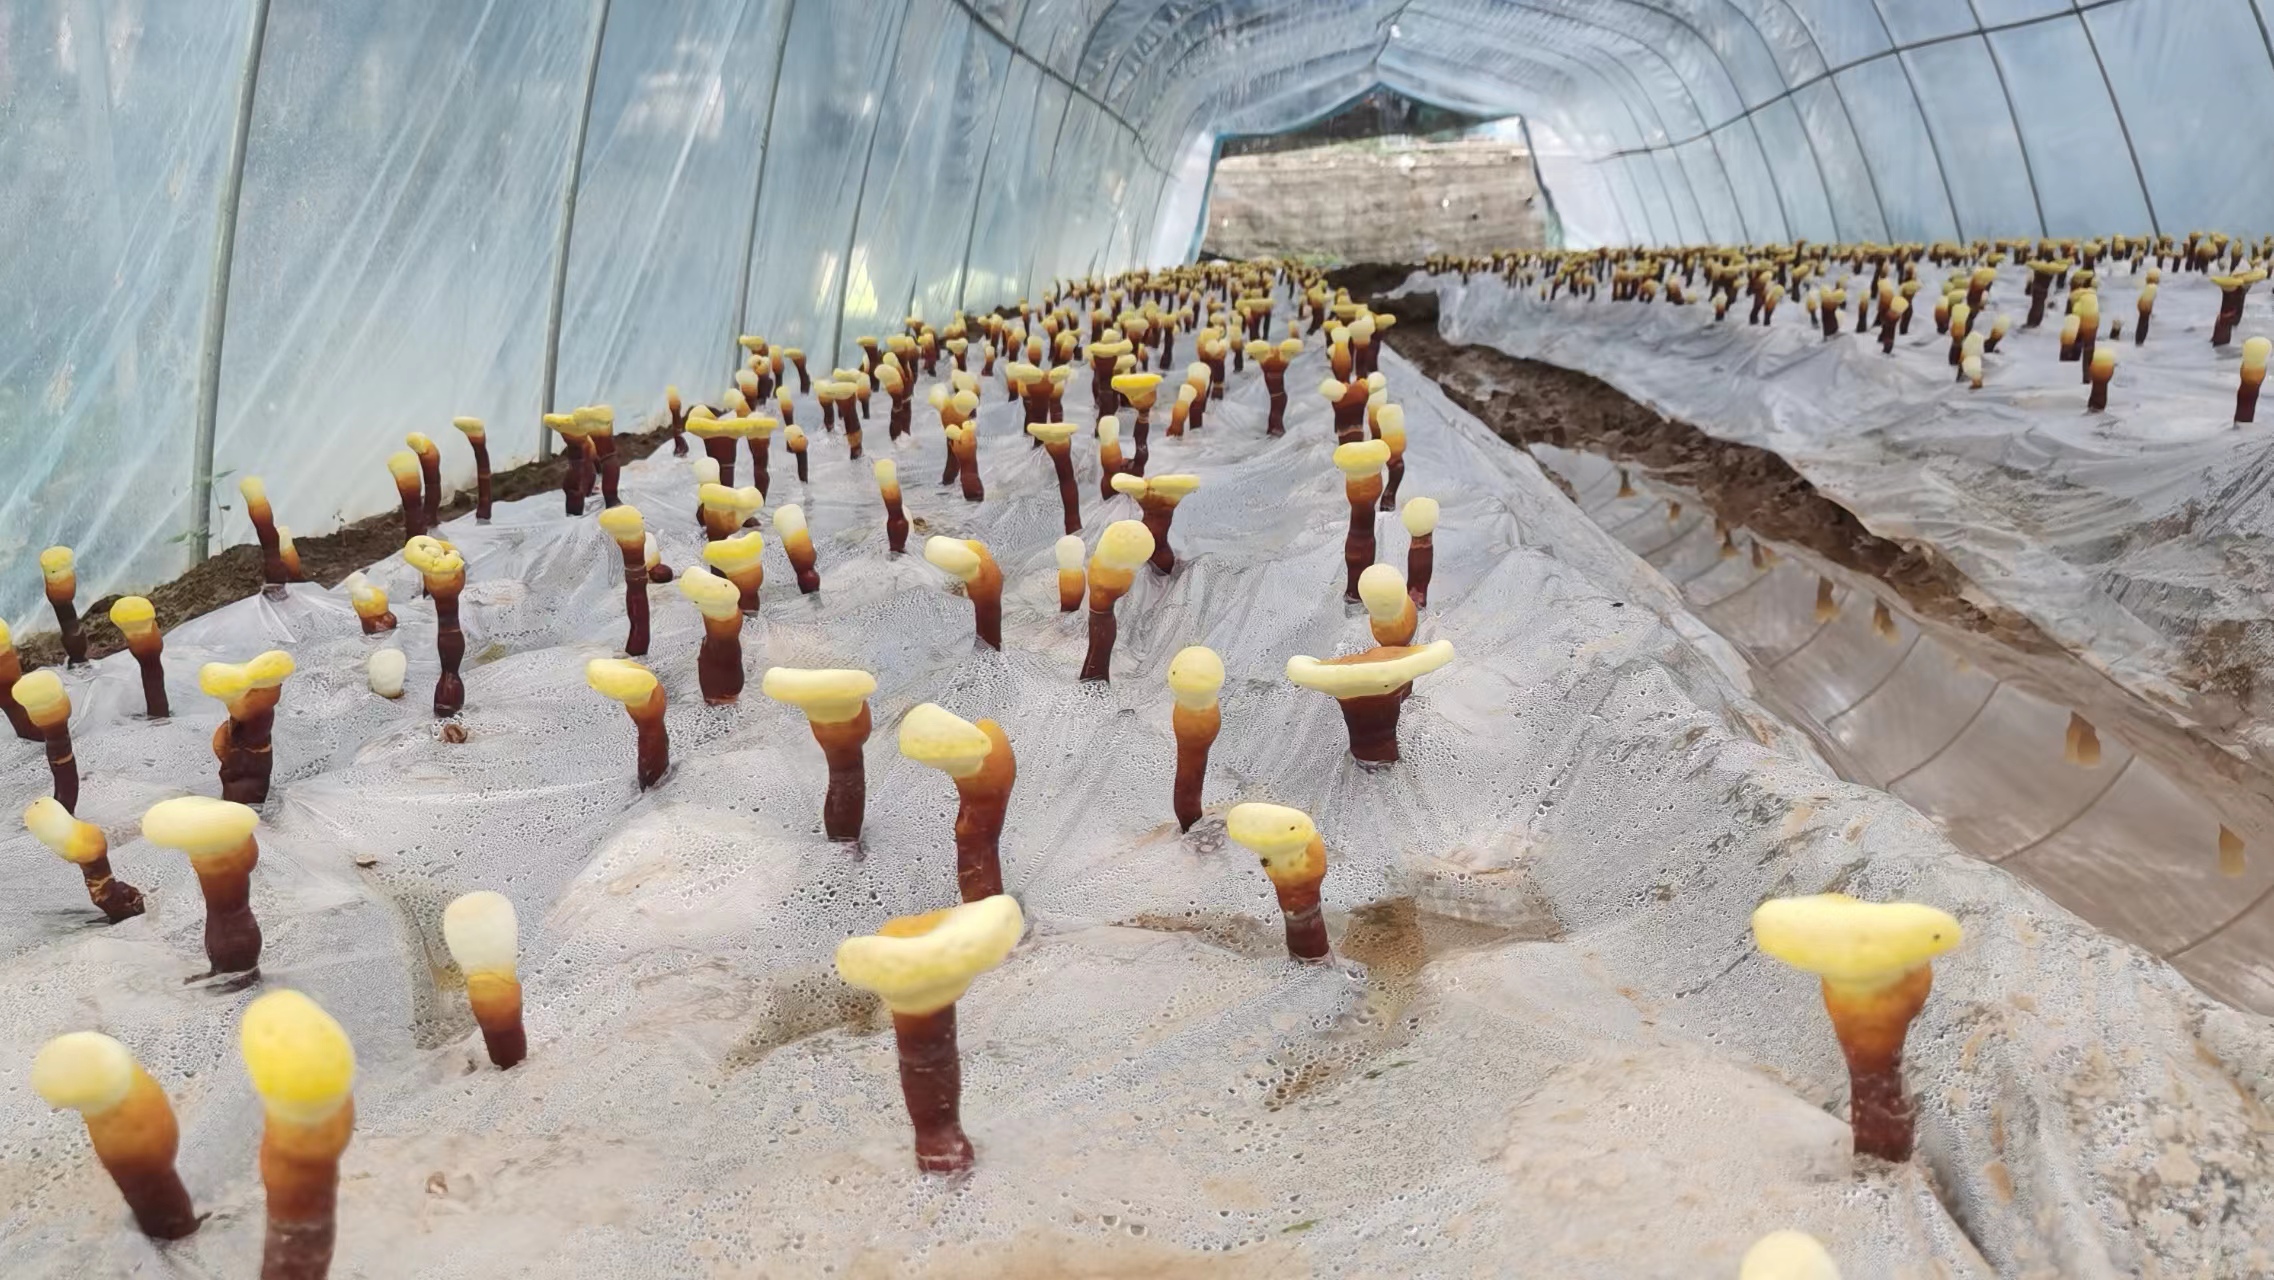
point(1787, 1255)
point(299, 1059)
point(481, 932)
point(39, 692)
point(1068, 551)
point(56, 562)
point(473, 426)
point(704, 425)
point(403, 465)
point(921, 964)
point(1125, 483)
point(1109, 429)
point(738, 552)
point(706, 472)
point(623, 523)
point(1291, 348)
point(1195, 675)
point(1332, 388)
point(1125, 544)
point(1136, 385)
point(712, 594)
point(432, 556)
point(565, 423)
point(420, 443)
point(620, 678)
point(198, 825)
point(130, 612)
point(1270, 829)
point(1362, 458)
point(1382, 590)
point(1051, 432)
point(365, 593)
point(931, 734)
point(1373, 672)
point(86, 1071)
point(887, 475)
point(2255, 351)
point(1391, 419)
point(713, 494)
point(253, 489)
point(2103, 360)
point(957, 556)
point(827, 696)
point(790, 521)
point(1846, 941)
point(1419, 517)
point(71, 839)
point(796, 437)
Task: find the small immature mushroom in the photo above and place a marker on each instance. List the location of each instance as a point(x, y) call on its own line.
point(1110, 463)
point(967, 559)
point(1390, 612)
point(1420, 521)
point(1196, 674)
point(977, 757)
point(137, 620)
point(1827, 607)
point(2102, 368)
point(796, 440)
point(1294, 856)
point(483, 937)
point(642, 695)
point(741, 559)
point(403, 466)
point(624, 526)
point(274, 574)
point(920, 966)
point(1371, 687)
point(836, 708)
point(1361, 463)
point(2080, 745)
point(476, 436)
point(1068, 552)
point(1123, 546)
point(11, 672)
point(1389, 428)
point(598, 424)
point(241, 743)
point(59, 576)
point(385, 672)
point(444, 571)
point(303, 1067)
point(797, 360)
point(1157, 498)
point(1348, 400)
point(1787, 1255)
point(759, 432)
point(797, 543)
point(678, 412)
point(430, 473)
point(43, 699)
point(2147, 307)
point(370, 601)
point(129, 1122)
point(895, 518)
point(217, 835)
point(1139, 390)
point(718, 664)
point(83, 845)
point(2254, 353)
point(1876, 962)
point(1057, 439)
point(963, 446)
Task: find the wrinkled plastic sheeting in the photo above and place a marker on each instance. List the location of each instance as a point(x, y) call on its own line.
point(2137, 539)
point(2124, 838)
point(1549, 1035)
point(119, 120)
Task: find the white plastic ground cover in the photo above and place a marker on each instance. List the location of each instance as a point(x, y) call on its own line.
point(1548, 1046)
point(2124, 839)
point(2141, 539)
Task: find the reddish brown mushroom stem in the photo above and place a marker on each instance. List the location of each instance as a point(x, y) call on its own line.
point(85, 846)
point(59, 576)
point(11, 671)
point(403, 467)
point(678, 413)
point(642, 696)
point(218, 837)
point(797, 447)
point(969, 561)
point(443, 571)
point(965, 444)
point(430, 476)
point(2254, 354)
point(718, 664)
point(846, 801)
point(1109, 456)
point(1361, 464)
point(1294, 858)
point(600, 437)
point(624, 526)
point(1195, 677)
point(981, 800)
point(1871, 1034)
point(137, 620)
point(479, 440)
point(49, 707)
point(1057, 441)
point(1123, 546)
point(797, 544)
point(931, 1083)
point(895, 519)
point(804, 380)
point(1389, 428)
point(249, 691)
point(274, 573)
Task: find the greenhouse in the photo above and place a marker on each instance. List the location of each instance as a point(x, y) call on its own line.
point(956, 638)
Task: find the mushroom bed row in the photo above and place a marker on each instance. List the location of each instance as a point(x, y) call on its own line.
point(1035, 596)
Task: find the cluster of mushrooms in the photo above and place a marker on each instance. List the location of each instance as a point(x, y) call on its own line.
point(1874, 959)
point(1884, 282)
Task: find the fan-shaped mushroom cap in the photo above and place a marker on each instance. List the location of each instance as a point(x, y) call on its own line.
point(1362, 458)
point(620, 678)
point(1375, 671)
point(1850, 942)
point(931, 734)
point(921, 964)
point(827, 696)
point(961, 557)
point(198, 825)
